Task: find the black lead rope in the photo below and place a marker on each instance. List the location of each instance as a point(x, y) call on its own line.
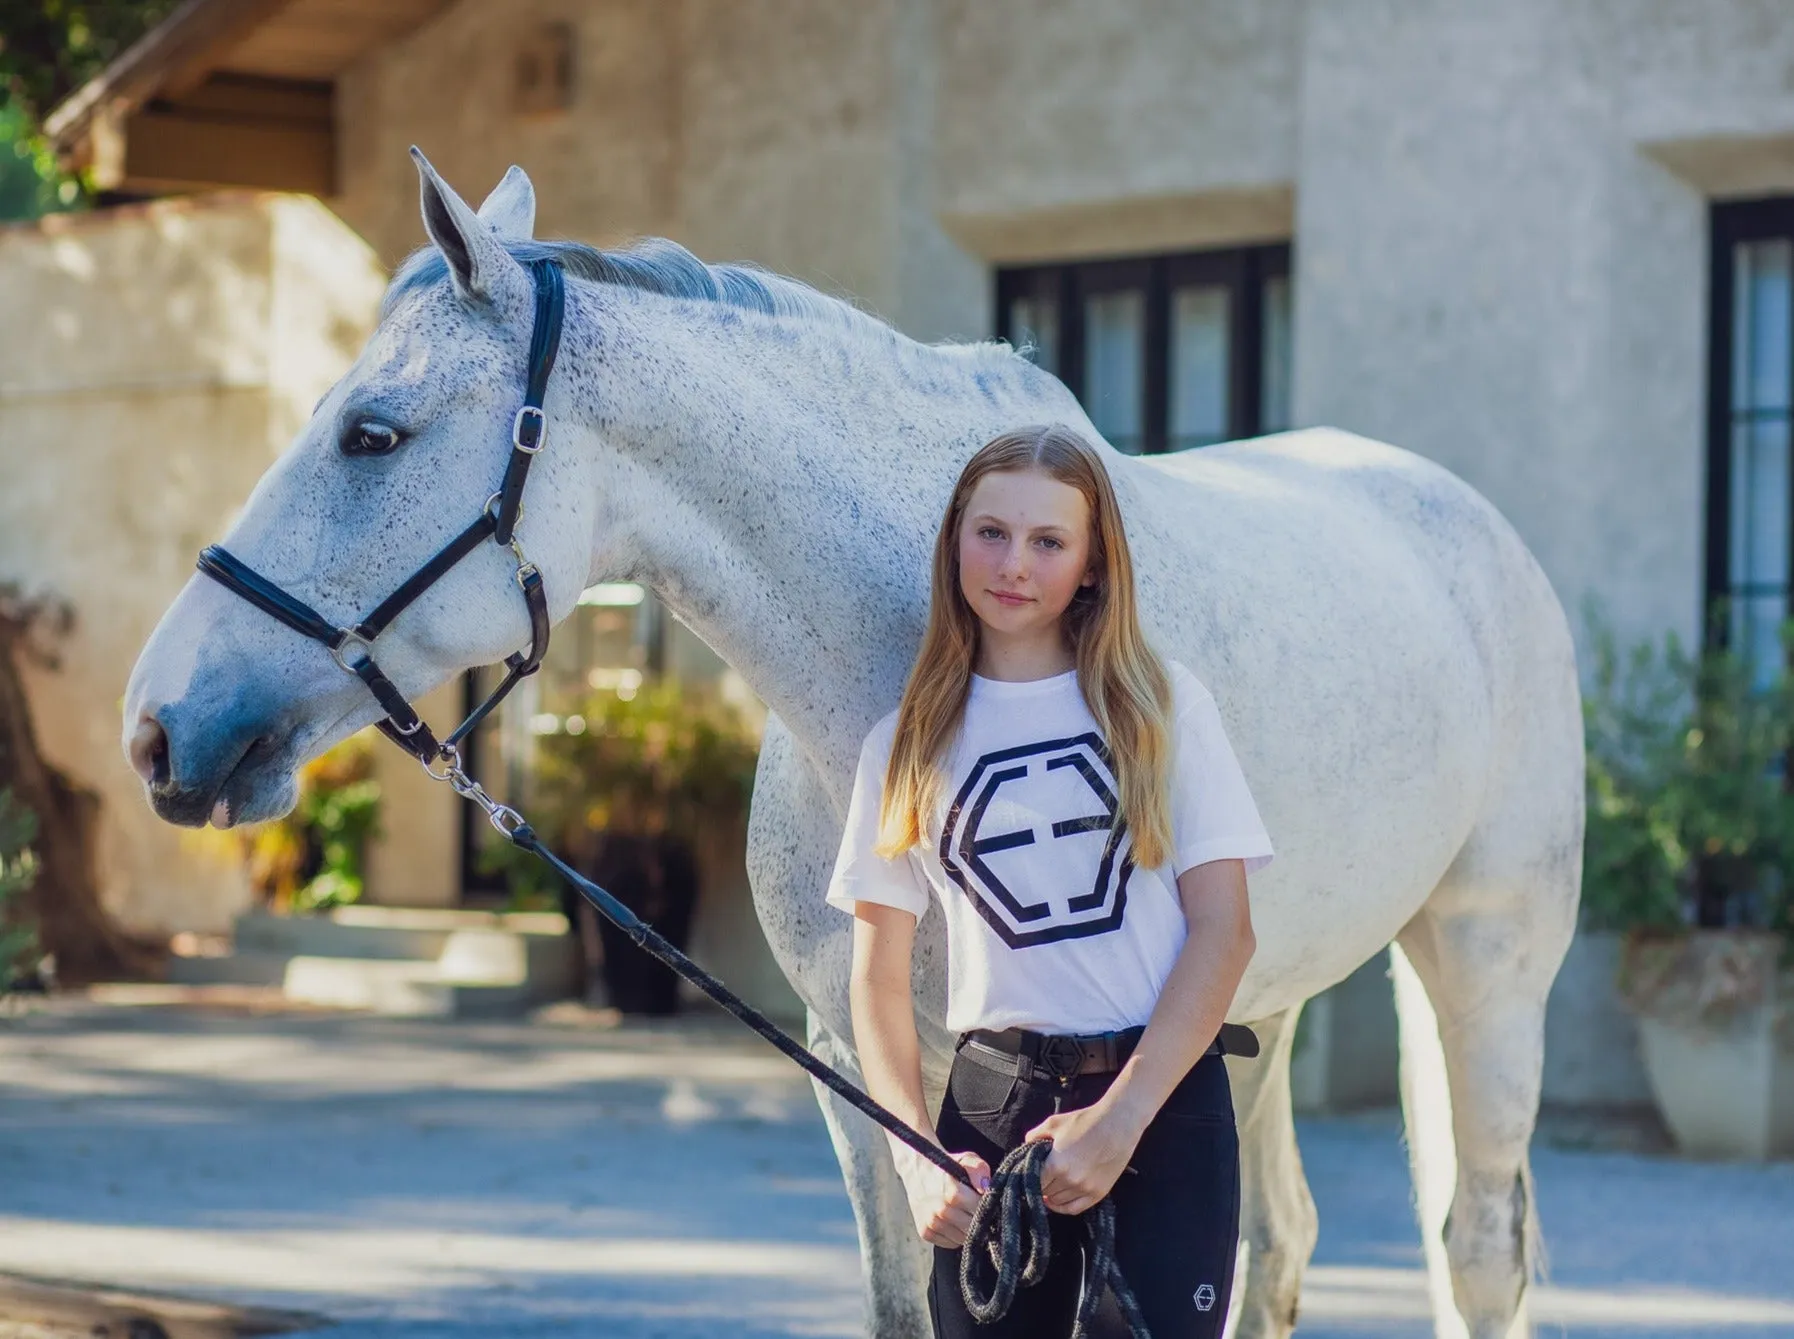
point(1010, 1244)
point(645, 936)
point(353, 649)
point(999, 1229)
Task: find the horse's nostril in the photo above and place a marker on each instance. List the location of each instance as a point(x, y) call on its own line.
point(149, 753)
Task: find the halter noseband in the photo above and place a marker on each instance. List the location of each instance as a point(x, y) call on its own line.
point(353, 648)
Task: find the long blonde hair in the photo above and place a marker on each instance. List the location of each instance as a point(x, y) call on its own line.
point(1123, 681)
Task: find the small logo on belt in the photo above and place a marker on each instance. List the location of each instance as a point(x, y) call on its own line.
point(1205, 1297)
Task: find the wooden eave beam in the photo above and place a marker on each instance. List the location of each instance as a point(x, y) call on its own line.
point(177, 50)
point(266, 134)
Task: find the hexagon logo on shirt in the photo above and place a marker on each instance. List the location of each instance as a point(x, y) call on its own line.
point(1034, 839)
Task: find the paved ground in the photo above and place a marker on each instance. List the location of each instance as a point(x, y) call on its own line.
point(417, 1179)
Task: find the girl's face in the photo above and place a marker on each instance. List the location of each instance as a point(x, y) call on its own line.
point(1024, 549)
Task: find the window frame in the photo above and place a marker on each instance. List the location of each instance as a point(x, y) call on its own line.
point(1243, 270)
point(1731, 223)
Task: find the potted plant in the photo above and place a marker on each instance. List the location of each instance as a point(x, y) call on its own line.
point(316, 857)
point(630, 786)
point(1689, 844)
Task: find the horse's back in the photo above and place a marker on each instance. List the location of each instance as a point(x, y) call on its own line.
point(1386, 652)
point(1348, 503)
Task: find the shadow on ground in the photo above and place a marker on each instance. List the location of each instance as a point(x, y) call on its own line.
point(503, 1180)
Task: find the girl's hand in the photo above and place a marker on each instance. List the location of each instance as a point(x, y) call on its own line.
point(1091, 1147)
point(941, 1206)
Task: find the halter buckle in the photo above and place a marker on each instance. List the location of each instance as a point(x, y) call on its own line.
point(350, 638)
point(529, 430)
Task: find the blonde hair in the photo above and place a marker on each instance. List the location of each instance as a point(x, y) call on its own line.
point(1123, 681)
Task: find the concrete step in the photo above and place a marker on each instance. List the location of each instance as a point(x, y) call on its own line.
point(401, 989)
point(401, 961)
point(234, 969)
point(383, 932)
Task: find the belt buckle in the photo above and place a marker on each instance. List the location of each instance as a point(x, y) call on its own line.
point(1060, 1056)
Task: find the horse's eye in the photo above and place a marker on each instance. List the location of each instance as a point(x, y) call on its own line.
point(370, 438)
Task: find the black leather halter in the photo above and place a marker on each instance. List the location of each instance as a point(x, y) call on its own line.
point(353, 648)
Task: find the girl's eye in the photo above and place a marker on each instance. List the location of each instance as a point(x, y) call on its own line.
point(1050, 542)
point(989, 532)
point(370, 437)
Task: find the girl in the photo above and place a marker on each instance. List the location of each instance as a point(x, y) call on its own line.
point(1073, 804)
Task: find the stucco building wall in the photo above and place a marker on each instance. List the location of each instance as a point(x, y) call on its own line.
point(782, 136)
point(1497, 267)
point(153, 361)
point(1499, 212)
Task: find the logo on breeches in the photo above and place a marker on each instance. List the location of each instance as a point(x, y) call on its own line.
point(1035, 839)
point(1205, 1297)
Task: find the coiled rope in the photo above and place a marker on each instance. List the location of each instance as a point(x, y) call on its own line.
point(1010, 1241)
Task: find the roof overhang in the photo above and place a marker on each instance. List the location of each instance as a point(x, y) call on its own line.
point(227, 93)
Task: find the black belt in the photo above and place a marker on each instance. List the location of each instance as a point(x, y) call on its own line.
point(1019, 1051)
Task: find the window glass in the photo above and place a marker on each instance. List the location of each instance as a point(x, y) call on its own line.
point(1273, 409)
point(1199, 336)
point(1758, 541)
point(1149, 347)
point(1115, 366)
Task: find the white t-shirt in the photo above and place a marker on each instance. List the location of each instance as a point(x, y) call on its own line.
point(1049, 924)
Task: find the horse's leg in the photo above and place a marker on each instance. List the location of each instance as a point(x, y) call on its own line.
point(792, 833)
point(1277, 1218)
point(1472, 973)
point(897, 1261)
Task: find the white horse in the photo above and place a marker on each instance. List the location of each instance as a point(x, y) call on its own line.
point(1396, 673)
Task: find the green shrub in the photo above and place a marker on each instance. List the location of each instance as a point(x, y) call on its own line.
point(315, 857)
point(18, 870)
point(1690, 817)
point(667, 759)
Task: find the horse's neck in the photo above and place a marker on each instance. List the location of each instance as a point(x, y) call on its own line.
point(779, 484)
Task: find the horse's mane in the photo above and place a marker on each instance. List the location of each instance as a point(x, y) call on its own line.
point(655, 265)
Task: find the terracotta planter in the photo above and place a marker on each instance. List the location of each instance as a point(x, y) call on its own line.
point(1716, 1026)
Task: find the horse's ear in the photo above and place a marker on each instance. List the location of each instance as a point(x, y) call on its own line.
point(511, 208)
point(480, 267)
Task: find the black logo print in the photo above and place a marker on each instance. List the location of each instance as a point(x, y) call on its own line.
point(1043, 898)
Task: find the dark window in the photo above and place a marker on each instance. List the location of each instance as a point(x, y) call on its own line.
point(616, 636)
point(1165, 352)
point(1751, 375)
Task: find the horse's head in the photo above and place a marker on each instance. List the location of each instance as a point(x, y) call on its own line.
point(225, 702)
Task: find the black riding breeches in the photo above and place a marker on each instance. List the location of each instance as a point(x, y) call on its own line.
point(1177, 1215)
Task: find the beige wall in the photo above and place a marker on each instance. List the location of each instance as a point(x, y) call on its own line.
point(1497, 267)
point(793, 134)
point(153, 361)
point(1499, 211)
point(1100, 127)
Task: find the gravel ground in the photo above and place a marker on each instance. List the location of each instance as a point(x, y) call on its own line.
point(667, 1181)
